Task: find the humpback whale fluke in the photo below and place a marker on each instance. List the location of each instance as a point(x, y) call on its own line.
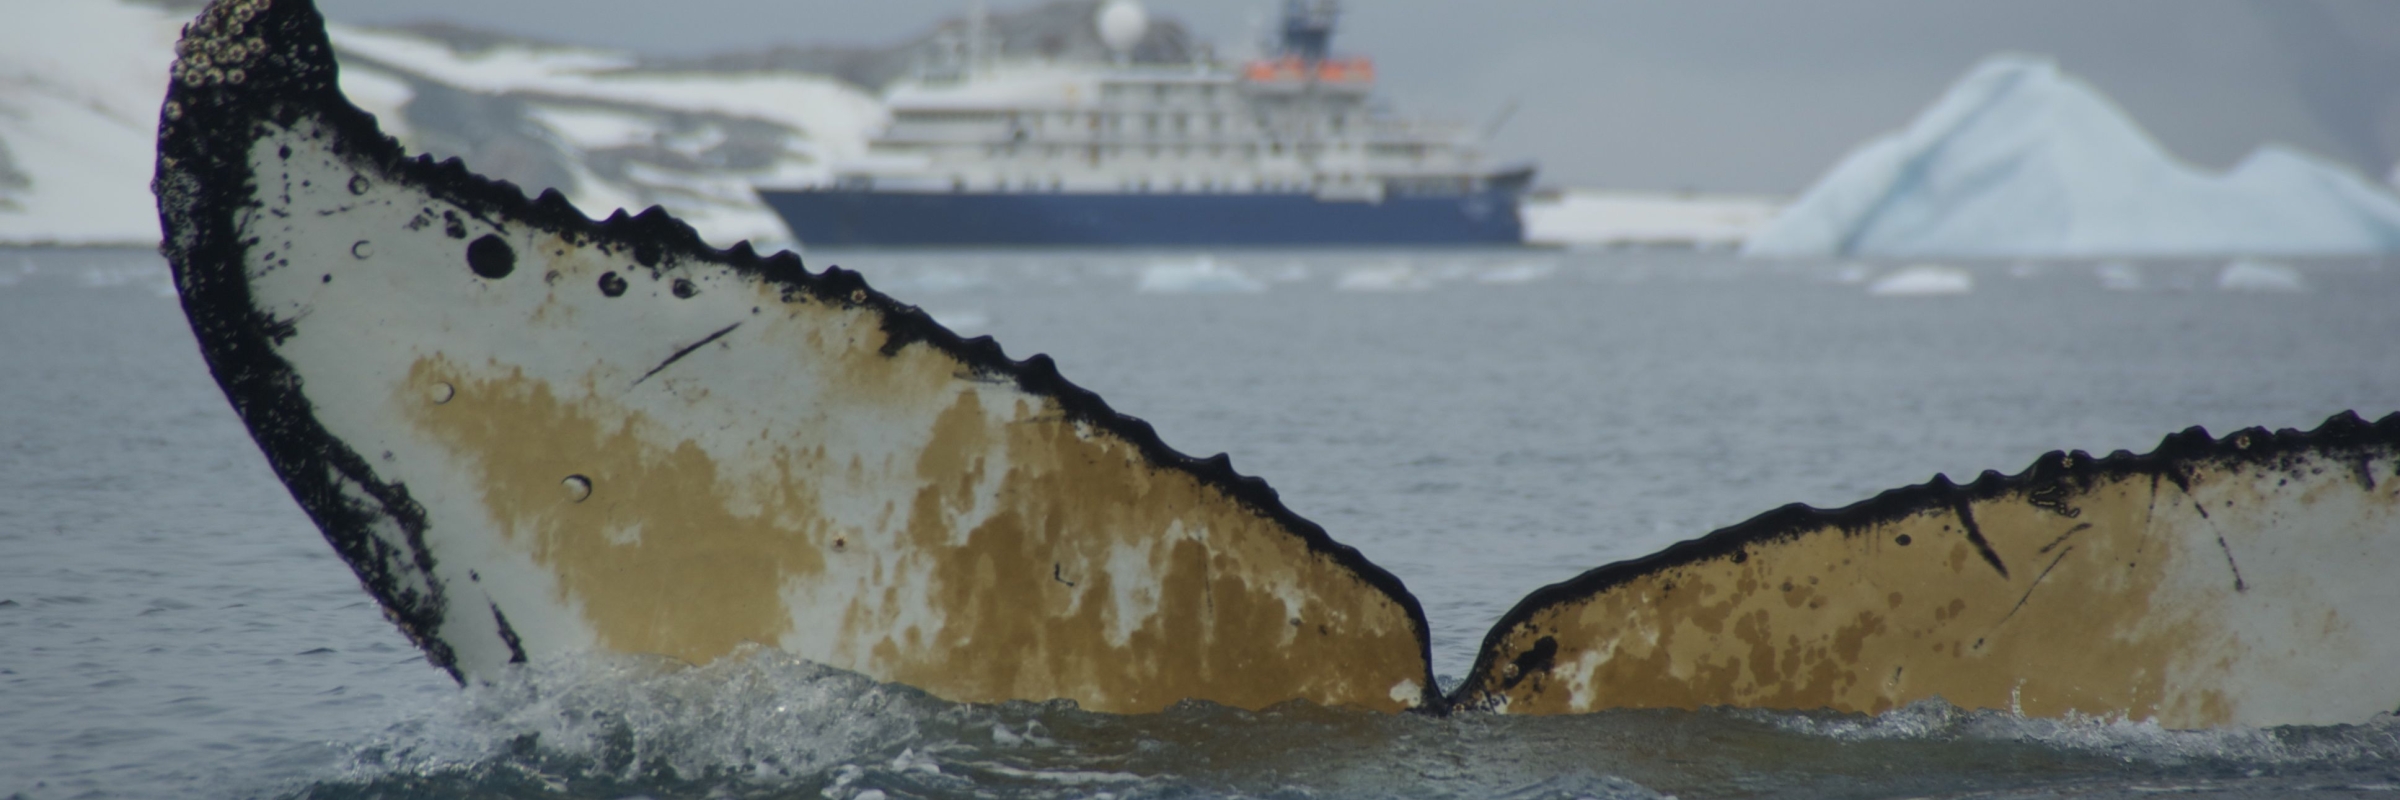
point(2243, 580)
point(532, 434)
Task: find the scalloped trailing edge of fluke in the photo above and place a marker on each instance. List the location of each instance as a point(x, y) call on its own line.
point(398, 388)
point(531, 435)
point(2211, 581)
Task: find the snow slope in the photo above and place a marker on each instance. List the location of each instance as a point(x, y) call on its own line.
point(80, 84)
point(2019, 159)
point(80, 87)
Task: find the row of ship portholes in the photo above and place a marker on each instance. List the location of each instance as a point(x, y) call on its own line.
point(1174, 186)
point(1018, 146)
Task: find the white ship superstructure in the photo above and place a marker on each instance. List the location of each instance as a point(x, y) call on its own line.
point(1298, 121)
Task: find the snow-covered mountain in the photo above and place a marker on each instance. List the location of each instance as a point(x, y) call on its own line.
point(2019, 159)
point(81, 82)
point(80, 85)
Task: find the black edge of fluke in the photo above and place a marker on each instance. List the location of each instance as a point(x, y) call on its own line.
point(2075, 470)
point(242, 63)
point(247, 62)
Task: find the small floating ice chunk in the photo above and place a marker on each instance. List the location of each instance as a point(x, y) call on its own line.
point(2246, 275)
point(1852, 273)
point(1923, 280)
point(1520, 272)
point(1386, 278)
point(2119, 276)
point(1201, 275)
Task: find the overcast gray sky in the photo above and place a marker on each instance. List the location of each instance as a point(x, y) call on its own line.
point(1742, 95)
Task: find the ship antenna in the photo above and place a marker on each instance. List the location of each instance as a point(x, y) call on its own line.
point(975, 32)
point(1507, 111)
point(1308, 30)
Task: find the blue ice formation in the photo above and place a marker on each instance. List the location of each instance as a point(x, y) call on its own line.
point(2022, 160)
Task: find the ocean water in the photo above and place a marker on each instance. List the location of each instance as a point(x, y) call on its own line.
point(1479, 422)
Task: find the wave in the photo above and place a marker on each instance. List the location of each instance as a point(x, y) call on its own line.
point(1934, 720)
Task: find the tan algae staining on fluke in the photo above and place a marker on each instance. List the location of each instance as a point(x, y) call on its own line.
point(1022, 604)
point(1237, 612)
point(532, 434)
point(2095, 588)
point(641, 538)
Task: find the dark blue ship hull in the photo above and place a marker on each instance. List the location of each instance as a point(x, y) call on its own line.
point(853, 217)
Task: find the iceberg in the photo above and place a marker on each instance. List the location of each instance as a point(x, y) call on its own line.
point(2020, 159)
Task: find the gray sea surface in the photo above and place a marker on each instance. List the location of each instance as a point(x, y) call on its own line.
point(1479, 422)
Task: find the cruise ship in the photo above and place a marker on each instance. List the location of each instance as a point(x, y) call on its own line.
point(1287, 149)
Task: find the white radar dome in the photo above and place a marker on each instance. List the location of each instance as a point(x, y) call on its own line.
point(1122, 23)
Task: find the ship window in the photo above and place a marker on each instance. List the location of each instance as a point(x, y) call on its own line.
point(1181, 124)
point(958, 184)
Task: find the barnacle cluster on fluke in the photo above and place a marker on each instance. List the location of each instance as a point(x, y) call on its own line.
point(532, 434)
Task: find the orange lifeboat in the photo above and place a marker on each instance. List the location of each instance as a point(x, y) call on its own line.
point(1290, 69)
point(1280, 70)
point(1346, 70)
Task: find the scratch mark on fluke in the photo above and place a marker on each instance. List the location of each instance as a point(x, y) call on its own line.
point(2062, 538)
point(2238, 584)
point(2037, 583)
point(687, 350)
